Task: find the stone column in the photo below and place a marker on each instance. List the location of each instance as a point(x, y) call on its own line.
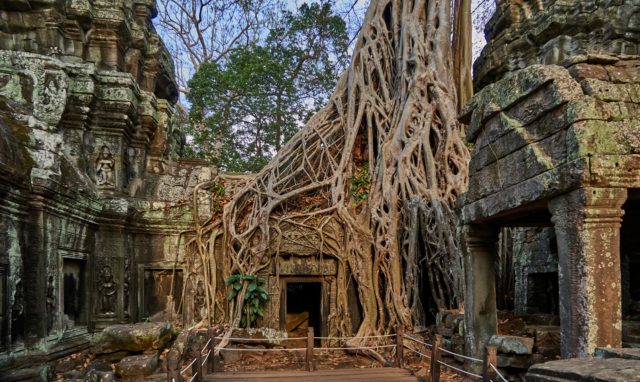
point(587, 225)
point(480, 315)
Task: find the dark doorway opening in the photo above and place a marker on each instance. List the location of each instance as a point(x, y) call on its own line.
point(303, 308)
point(630, 267)
point(543, 293)
point(73, 292)
point(429, 306)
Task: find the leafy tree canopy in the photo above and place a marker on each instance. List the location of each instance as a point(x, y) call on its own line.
point(245, 108)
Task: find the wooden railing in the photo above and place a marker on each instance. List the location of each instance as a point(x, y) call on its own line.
point(204, 360)
point(490, 372)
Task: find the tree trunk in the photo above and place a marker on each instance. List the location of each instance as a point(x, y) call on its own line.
point(396, 106)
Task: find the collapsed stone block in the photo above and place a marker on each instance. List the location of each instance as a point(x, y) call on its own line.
point(512, 344)
point(133, 337)
point(135, 368)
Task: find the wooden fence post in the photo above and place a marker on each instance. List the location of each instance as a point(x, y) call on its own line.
point(435, 359)
point(196, 368)
point(212, 346)
point(490, 358)
point(399, 347)
point(173, 368)
point(310, 348)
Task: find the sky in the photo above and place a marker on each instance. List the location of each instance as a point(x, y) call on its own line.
point(481, 9)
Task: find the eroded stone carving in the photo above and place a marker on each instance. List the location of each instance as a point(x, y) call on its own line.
point(125, 284)
point(105, 166)
point(199, 307)
point(51, 303)
point(108, 289)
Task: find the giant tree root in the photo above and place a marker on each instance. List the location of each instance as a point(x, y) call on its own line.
point(373, 176)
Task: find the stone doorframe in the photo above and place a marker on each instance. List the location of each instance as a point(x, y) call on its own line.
point(587, 224)
point(325, 286)
point(87, 306)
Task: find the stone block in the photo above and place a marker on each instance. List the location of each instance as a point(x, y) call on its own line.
point(99, 365)
point(229, 357)
point(99, 376)
point(626, 353)
point(451, 320)
point(512, 344)
point(547, 340)
point(113, 357)
point(582, 71)
point(585, 370)
point(525, 163)
point(515, 361)
point(516, 88)
point(135, 368)
point(624, 74)
point(134, 337)
point(607, 91)
point(444, 331)
point(441, 316)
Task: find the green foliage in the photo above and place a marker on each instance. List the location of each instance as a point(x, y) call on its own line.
point(359, 184)
point(217, 191)
point(245, 108)
point(255, 297)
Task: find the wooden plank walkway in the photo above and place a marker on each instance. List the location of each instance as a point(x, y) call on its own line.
point(380, 374)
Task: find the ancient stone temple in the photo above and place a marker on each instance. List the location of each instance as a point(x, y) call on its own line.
point(93, 195)
point(555, 126)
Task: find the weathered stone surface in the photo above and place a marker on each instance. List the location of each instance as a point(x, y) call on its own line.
point(524, 96)
point(480, 313)
point(590, 294)
point(93, 189)
point(585, 370)
point(99, 365)
point(137, 366)
point(515, 361)
point(512, 344)
point(112, 357)
point(556, 32)
point(26, 374)
point(133, 337)
point(99, 376)
point(547, 340)
point(555, 128)
point(73, 374)
point(626, 353)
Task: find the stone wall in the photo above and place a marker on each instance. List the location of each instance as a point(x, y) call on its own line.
point(526, 32)
point(554, 127)
point(93, 195)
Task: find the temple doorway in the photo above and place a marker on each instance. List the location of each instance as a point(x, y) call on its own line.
point(303, 306)
point(630, 267)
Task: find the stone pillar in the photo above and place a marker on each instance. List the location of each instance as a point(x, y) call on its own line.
point(480, 314)
point(587, 225)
